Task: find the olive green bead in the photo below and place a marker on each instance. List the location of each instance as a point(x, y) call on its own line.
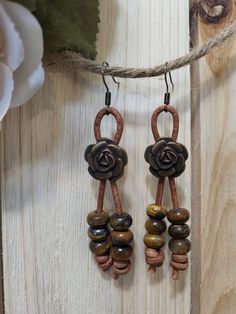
point(121, 238)
point(180, 246)
point(121, 253)
point(154, 241)
point(98, 234)
point(156, 211)
point(178, 216)
point(99, 248)
point(98, 219)
point(179, 231)
point(155, 226)
point(121, 221)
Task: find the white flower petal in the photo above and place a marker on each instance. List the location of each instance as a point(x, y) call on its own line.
point(13, 45)
point(6, 88)
point(25, 89)
point(31, 34)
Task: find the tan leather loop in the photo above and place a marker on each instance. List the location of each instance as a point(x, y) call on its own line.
point(175, 116)
point(119, 121)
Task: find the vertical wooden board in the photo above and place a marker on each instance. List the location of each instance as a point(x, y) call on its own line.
point(218, 168)
point(47, 192)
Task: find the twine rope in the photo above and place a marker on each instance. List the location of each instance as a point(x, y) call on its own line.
point(78, 62)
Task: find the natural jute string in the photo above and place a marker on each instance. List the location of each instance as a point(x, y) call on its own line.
point(78, 62)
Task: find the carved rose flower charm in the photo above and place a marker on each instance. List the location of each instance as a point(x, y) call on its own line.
point(166, 158)
point(106, 160)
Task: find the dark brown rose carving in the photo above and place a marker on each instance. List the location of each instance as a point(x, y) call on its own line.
point(166, 158)
point(106, 160)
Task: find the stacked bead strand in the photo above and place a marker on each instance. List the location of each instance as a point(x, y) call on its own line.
point(155, 227)
point(179, 245)
point(121, 237)
point(99, 232)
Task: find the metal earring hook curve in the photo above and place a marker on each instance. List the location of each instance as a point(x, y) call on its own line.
point(165, 76)
point(167, 93)
point(105, 64)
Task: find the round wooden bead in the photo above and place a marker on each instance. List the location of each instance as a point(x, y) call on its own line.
point(179, 231)
point(178, 215)
point(180, 246)
point(156, 211)
point(121, 238)
point(121, 221)
point(155, 226)
point(121, 253)
point(98, 234)
point(98, 219)
point(154, 241)
point(99, 248)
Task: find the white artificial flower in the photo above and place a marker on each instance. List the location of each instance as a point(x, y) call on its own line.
point(21, 52)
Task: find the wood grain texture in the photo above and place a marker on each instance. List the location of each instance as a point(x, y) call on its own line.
point(47, 192)
point(217, 147)
point(196, 168)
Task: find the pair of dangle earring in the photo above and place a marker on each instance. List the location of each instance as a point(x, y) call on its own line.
point(106, 160)
point(166, 158)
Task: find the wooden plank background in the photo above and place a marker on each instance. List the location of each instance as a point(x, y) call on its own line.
point(217, 148)
point(46, 191)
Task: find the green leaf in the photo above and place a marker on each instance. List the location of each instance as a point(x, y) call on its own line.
point(67, 25)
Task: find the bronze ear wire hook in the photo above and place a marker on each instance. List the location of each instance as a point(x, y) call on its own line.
point(105, 64)
point(167, 93)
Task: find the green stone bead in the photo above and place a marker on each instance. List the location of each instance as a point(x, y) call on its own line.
point(99, 248)
point(154, 241)
point(180, 246)
point(121, 238)
point(121, 221)
point(156, 211)
point(98, 234)
point(155, 226)
point(121, 253)
point(178, 216)
point(98, 219)
point(179, 231)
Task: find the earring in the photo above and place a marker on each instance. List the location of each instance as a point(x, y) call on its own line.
point(106, 160)
point(166, 159)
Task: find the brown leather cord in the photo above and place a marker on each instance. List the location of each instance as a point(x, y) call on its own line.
point(117, 137)
point(116, 197)
point(174, 195)
point(155, 258)
point(101, 194)
point(119, 120)
point(115, 193)
point(160, 190)
point(178, 262)
point(175, 131)
point(120, 268)
point(175, 116)
point(105, 262)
